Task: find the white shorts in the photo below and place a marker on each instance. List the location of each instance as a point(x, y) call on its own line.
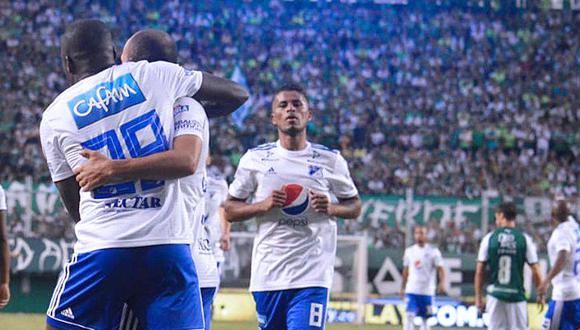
point(505, 315)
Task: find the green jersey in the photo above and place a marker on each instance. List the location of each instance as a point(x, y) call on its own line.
point(506, 250)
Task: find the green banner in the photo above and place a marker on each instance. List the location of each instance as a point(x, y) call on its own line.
point(39, 256)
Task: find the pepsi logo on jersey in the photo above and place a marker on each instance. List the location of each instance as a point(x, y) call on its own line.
point(297, 199)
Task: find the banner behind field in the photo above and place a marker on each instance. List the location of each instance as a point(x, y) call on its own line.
point(45, 256)
point(42, 199)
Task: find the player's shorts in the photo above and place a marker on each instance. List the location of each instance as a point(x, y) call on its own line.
point(294, 309)
point(506, 315)
point(158, 284)
point(420, 305)
point(207, 295)
point(562, 315)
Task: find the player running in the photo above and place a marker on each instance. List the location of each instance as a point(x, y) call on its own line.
point(564, 253)
point(422, 264)
point(297, 190)
point(506, 250)
point(132, 236)
point(4, 254)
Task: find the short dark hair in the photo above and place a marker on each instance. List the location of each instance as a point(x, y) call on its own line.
point(508, 209)
point(560, 211)
point(88, 43)
point(151, 45)
point(292, 87)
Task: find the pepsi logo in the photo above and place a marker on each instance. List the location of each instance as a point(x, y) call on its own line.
point(296, 199)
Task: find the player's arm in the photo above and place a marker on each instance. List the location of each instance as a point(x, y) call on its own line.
point(226, 229)
point(557, 267)
point(4, 262)
point(178, 162)
point(349, 205)
point(60, 170)
point(224, 96)
point(220, 96)
point(441, 277)
point(237, 209)
point(346, 208)
point(482, 257)
point(69, 191)
point(404, 280)
point(478, 283)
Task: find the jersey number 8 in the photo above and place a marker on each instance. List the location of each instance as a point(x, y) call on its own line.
point(110, 140)
point(505, 270)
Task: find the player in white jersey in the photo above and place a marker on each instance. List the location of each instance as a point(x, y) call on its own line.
point(564, 253)
point(297, 190)
point(422, 263)
point(190, 119)
point(4, 254)
point(217, 227)
point(135, 233)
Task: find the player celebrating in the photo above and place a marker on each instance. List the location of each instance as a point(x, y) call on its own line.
point(4, 254)
point(422, 263)
point(564, 253)
point(292, 183)
point(190, 119)
point(136, 233)
point(506, 250)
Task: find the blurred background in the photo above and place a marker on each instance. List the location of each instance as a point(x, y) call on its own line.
point(442, 108)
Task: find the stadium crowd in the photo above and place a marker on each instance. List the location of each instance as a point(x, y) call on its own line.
point(450, 102)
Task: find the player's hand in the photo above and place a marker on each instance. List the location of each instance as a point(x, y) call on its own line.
point(276, 199)
point(95, 172)
point(480, 304)
point(225, 243)
point(320, 202)
point(541, 301)
point(4, 295)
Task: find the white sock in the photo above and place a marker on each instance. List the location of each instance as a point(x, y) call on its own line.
point(408, 323)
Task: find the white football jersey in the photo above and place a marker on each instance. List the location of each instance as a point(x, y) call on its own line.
point(422, 263)
point(217, 193)
point(566, 237)
point(190, 118)
point(294, 247)
point(125, 111)
point(2, 199)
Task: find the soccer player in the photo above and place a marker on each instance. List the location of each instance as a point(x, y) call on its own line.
point(564, 253)
point(422, 263)
point(132, 236)
point(189, 119)
point(506, 250)
point(5, 254)
point(297, 190)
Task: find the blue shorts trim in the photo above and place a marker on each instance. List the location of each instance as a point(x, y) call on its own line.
point(563, 315)
point(420, 305)
point(294, 309)
point(158, 284)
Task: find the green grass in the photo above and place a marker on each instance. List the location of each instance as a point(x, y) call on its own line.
point(36, 321)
